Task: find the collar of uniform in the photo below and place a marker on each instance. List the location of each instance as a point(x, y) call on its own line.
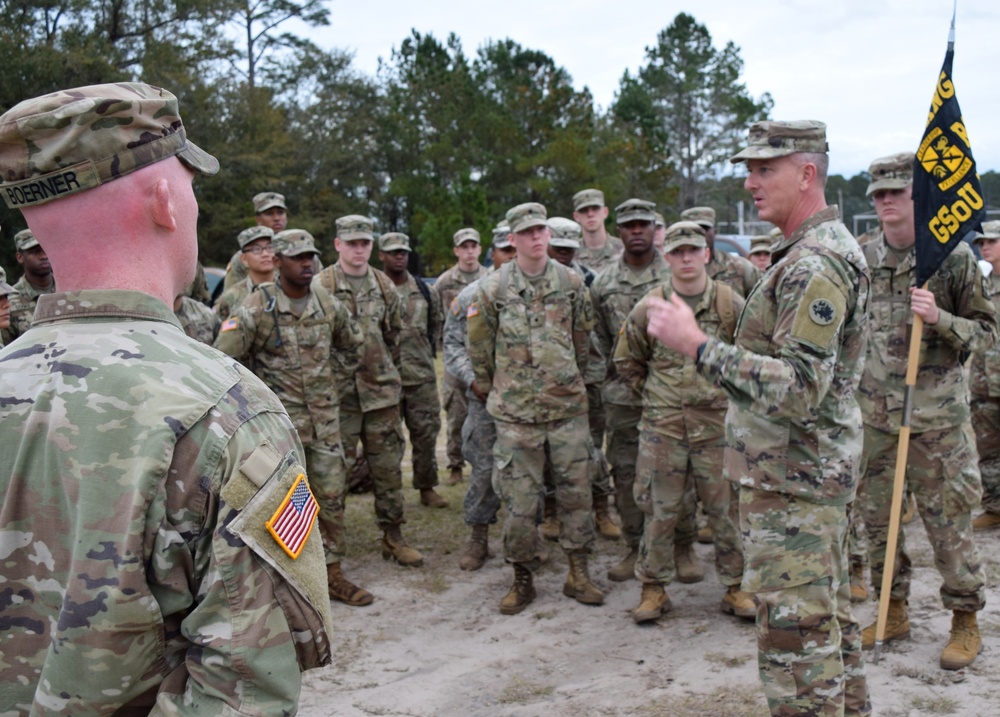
point(657, 267)
point(707, 300)
point(829, 214)
point(521, 284)
point(284, 302)
point(27, 292)
point(886, 257)
point(102, 304)
point(342, 276)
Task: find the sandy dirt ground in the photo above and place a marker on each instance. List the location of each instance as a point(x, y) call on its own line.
point(434, 643)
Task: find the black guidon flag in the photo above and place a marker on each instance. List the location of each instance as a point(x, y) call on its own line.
point(947, 198)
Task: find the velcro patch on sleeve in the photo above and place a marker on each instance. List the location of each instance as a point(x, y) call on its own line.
point(820, 313)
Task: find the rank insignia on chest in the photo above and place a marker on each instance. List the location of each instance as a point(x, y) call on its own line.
point(822, 312)
point(472, 311)
point(293, 521)
point(229, 324)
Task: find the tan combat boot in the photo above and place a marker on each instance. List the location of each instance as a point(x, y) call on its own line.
point(625, 568)
point(430, 498)
point(986, 521)
point(897, 625)
point(521, 592)
point(455, 477)
point(739, 603)
point(606, 525)
point(477, 549)
point(550, 524)
point(344, 590)
point(965, 642)
point(653, 603)
point(578, 585)
point(394, 546)
point(688, 566)
point(859, 587)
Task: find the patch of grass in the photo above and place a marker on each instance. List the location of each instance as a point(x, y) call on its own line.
point(727, 660)
point(724, 702)
point(522, 691)
point(935, 704)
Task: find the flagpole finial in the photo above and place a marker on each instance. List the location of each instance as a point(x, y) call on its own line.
point(951, 32)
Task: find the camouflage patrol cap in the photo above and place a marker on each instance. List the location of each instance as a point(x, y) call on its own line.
point(991, 230)
point(770, 139)
point(253, 234)
point(268, 200)
point(465, 234)
point(293, 242)
point(355, 226)
point(525, 216)
point(635, 210)
point(659, 221)
point(565, 233)
point(588, 198)
point(24, 240)
point(74, 140)
point(760, 244)
point(501, 235)
point(700, 215)
point(892, 172)
point(684, 234)
point(394, 241)
point(5, 288)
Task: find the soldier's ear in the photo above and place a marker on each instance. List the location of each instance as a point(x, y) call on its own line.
point(161, 208)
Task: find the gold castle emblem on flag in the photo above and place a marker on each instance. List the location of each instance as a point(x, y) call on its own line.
point(943, 160)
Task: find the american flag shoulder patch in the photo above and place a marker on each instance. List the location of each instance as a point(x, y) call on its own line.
point(293, 521)
point(229, 324)
point(472, 311)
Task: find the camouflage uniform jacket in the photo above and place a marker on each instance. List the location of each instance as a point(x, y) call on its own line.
point(232, 297)
point(734, 270)
point(455, 338)
point(452, 281)
point(615, 292)
point(967, 324)
point(984, 366)
point(600, 259)
point(667, 380)
point(376, 383)
point(197, 320)
point(529, 343)
point(298, 357)
point(422, 321)
point(138, 472)
point(22, 306)
point(794, 425)
point(597, 365)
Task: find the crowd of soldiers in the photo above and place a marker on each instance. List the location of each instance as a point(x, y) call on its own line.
point(649, 371)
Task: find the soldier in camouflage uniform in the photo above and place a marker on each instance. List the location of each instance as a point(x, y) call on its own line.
point(793, 429)
point(420, 312)
point(984, 388)
point(447, 287)
point(659, 232)
point(140, 469)
point(370, 396)
point(682, 434)
point(528, 329)
point(597, 250)
point(563, 247)
point(257, 256)
point(760, 252)
point(725, 267)
point(296, 338)
point(197, 320)
point(479, 434)
point(36, 281)
point(942, 469)
point(6, 291)
point(615, 293)
point(269, 211)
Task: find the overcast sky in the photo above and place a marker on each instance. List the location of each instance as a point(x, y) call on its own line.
point(865, 67)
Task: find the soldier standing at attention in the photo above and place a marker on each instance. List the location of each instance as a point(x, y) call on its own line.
point(793, 429)
point(420, 311)
point(598, 250)
point(157, 520)
point(479, 434)
point(296, 337)
point(36, 281)
point(984, 387)
point(269, 211)
point(942, 470)
point(257, 255)
point(682, 431)
point(725, 267)
point(447, 287)
point(370, 396)
point(528, 326)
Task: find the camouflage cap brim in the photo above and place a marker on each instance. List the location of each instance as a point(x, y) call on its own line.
point(771, 140)
point(6, 289)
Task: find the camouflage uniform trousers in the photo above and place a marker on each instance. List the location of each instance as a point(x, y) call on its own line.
point(986, 423)
point(327, 474)
point(601, 479)
point(479, 436)
point(665, 470)
point(943, 475)
point(623, 451)
point(381, 435)
point(520, 456)
point(808, 642)
point(421, 411)
point(456, 406)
